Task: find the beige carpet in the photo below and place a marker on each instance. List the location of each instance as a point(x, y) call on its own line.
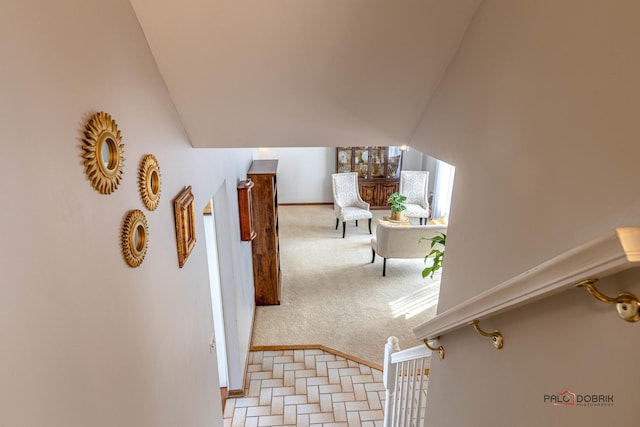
point(332, 295)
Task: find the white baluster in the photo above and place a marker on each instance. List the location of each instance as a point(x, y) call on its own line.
point(389, 378)
point(411, 378)
point(420, 412)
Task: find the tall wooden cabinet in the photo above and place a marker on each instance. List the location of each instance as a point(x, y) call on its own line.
point(266, 244)
point(378, 171)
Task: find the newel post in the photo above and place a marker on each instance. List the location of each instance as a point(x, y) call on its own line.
point(389, 378)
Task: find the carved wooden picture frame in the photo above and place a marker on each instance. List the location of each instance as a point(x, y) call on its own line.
point(185, 224)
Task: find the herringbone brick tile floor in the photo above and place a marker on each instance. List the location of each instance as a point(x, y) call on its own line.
point(307, 388)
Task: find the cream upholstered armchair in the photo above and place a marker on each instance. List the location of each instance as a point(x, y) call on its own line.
point(414, 185)
point(347, 203)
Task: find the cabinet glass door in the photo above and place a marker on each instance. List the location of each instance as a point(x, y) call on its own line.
point(361, 162)
point(377, 162)
point(393, 166)
point(344, 160)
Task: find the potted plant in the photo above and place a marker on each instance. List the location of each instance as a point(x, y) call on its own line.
point(436, 253)
point(396, 200)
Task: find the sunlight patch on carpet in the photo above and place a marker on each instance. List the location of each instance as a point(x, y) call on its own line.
point(417, 301)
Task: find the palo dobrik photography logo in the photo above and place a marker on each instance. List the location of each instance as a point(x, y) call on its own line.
point(564, 398)
point(568, 398)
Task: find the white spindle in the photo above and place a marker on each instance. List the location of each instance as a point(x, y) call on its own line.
point(420, 408)
point(390, 378)
point(411, 378)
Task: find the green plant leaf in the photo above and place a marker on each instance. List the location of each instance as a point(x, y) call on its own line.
point(437, 254)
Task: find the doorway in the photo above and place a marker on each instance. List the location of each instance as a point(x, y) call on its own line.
point(211, 243)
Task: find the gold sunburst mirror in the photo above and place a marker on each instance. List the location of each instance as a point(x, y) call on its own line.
point(135, 237)
point(149, 182)
point(103, 149)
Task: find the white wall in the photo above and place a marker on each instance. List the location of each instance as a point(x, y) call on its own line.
point(304, 174)
point(86, 339)
point(412, 160)
point(538, 112)
point(430, 164)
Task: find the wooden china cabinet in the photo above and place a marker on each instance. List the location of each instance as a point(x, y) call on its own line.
point(378, 171)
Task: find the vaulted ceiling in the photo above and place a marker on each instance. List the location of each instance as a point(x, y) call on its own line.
point(249, 73)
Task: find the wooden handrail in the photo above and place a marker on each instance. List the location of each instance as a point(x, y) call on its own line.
point(413, 353)
point(616, 251)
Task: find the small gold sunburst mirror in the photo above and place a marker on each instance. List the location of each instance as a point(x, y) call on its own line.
point(149, 182)
point(135, 237)
point(103, 148)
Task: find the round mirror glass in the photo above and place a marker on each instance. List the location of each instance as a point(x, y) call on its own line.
point(109, 154)
point(139, 238)
point(155, 182)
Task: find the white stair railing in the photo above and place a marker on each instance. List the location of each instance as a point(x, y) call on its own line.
point(405, 381)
